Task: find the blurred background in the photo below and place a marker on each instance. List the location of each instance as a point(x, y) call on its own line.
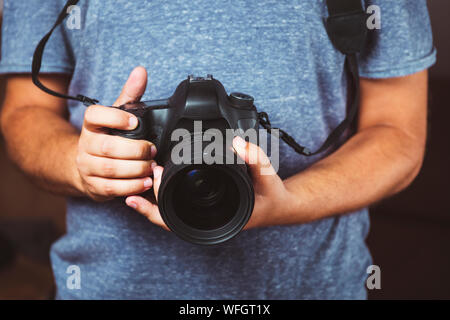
point(409, 237)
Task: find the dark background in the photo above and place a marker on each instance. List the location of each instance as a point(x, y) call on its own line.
point(410, 233)
point(409, 237)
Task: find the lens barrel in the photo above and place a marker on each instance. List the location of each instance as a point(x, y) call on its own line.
point(206, 203)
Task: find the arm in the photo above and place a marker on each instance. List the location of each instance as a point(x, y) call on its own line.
point(381, 159)
point(38, 136)
point(42, 142)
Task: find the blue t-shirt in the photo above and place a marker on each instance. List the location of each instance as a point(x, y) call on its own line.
point(277, 51)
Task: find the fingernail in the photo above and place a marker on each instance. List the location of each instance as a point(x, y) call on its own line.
point(156, 173)
point(239, 142)
point(153, 165)
point(132, 204)
point(147, 183)
point(153, 151)
point(133, 122)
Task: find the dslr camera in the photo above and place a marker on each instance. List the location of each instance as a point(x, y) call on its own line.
point(201, 202)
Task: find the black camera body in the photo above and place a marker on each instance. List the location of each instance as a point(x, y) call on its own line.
point(203, 203)
point(195, 99)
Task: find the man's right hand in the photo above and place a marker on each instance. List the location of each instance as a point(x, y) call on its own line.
point(111, 166)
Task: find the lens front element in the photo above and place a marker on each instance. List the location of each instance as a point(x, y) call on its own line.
point(206, 204)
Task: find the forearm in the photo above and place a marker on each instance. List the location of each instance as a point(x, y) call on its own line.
point(43, 145)
point(375, 163)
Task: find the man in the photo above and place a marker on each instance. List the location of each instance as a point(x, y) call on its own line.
point(306, 237)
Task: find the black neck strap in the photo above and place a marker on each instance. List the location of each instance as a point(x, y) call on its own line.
point(346, 28)
point(37, 60)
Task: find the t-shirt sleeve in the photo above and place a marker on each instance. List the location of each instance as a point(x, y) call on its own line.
point(403, 45)
point(24, 25)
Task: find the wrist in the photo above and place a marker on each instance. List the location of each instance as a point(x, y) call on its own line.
point(75, 178)
point(77, 182)
point(296, 205)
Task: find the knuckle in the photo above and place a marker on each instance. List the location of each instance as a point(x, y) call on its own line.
point(90, 186)
point(91, 190)
point(107, 168)
point(108, 189)
point(107, 147)
point(81, 163)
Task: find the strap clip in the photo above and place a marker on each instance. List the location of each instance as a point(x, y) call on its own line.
point(86, 100)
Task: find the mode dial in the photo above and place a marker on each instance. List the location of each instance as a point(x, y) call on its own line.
point(242, 100)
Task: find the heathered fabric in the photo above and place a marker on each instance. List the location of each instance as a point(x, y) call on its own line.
point(277, 51)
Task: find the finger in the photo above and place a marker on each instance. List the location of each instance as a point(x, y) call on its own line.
point(115, 168)
point(117, 187)
point(134, 88)
point(117, 147)
point(255, 158)
point(157, 174)
point(97, 117)
point(147, 209)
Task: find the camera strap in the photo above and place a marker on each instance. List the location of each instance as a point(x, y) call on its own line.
point(37, 61)
point(346, 28)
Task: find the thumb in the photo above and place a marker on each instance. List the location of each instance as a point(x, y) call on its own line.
point(257, 160)
point(134, 88)
point(157, 175)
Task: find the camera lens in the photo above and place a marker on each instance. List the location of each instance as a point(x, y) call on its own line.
point(204, 186)
point(205, 204)
point(207, 197)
